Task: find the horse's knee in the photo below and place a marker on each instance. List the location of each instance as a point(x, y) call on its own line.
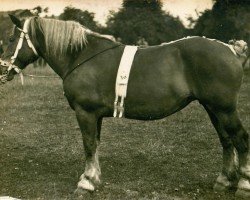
point(241, 142)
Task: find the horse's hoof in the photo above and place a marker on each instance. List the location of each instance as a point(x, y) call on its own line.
point(86, 185)
point(95, 179)
point(220, 188)
point(222, 184)
point(242, 194)
point(243, 190)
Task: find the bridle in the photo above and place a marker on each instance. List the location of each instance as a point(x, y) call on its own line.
point(10, 65)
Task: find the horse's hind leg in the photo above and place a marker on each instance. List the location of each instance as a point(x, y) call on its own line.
point(90, 127)
point(231, 123)
point(229, 176)
point(240, 140)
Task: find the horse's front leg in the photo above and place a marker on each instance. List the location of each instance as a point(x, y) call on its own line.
point(90, 127)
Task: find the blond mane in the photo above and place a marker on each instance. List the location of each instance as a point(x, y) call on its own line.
point(60, 36)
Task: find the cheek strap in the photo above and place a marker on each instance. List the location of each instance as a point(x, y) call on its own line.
point(10, 65)
point(24, 34)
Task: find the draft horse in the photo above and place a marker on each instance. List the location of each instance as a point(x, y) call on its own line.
point(163, 80)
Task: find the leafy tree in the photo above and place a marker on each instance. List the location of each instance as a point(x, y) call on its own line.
point(6, 24)
point(83, 17)
point(149, 4)
point(144, 20)
point(39, 10)
point(226, 20)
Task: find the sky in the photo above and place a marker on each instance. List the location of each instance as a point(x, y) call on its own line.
point(101, 8)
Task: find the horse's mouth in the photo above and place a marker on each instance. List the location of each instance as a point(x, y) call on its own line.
point(5, 73)
point(6, 76)
point(3, 79)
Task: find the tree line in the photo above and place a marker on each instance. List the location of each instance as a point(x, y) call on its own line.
point(144, 22)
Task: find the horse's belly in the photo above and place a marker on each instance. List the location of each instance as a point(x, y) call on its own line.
point(151, 110)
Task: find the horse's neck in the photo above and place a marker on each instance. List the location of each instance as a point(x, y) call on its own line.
point(96, 44)
point(57, 63)
point(60, 64)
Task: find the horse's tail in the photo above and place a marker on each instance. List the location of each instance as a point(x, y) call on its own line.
point(1, 47)
point(241, 49)
point(244, 64)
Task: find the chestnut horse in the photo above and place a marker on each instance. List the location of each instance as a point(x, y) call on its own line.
point(163, 80)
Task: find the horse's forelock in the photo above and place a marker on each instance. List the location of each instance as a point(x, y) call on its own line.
point(60, 36)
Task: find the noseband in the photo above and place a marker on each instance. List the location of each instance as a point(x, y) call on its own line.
point(10, 65)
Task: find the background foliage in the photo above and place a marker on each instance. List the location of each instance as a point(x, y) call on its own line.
point(143, 22)
point(42, 155)
point(85, 18)
point(226, 20)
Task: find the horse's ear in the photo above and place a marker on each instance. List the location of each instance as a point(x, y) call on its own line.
point(15, 20)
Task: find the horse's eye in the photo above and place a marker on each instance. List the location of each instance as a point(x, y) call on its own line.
point(11, 39)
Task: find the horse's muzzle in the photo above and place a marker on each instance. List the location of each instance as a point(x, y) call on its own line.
point(8, 71)
point(4, 77)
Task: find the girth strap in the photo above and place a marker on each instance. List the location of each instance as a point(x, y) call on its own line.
point(122, 79)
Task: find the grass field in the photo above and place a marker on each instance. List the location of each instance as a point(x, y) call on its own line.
point(41, 152)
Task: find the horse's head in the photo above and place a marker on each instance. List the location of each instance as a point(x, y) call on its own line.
point(20, 51)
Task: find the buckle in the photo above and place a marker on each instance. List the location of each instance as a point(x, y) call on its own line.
point(119, 106)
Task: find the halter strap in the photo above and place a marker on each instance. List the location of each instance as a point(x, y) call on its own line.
point(24, 34)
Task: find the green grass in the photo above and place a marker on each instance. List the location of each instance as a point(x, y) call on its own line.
point(41, 152)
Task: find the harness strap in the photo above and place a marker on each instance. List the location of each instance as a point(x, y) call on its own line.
point(122, 79)
point(24, 34)
point(30, 44)
point(18, 47)
point(69, 71)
